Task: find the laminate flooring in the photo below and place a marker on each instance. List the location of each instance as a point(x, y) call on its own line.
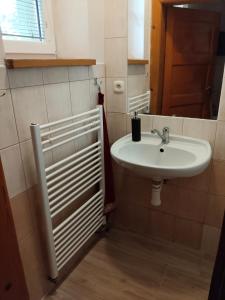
point(126, 266)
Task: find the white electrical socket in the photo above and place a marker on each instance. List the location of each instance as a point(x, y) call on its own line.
point(118, 86)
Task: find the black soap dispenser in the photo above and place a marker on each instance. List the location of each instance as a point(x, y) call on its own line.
point(136, 127)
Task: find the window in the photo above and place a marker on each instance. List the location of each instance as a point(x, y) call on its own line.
point(26, 26)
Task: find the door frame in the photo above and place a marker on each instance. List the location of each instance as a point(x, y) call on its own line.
point(157, 51)
point(18, 286)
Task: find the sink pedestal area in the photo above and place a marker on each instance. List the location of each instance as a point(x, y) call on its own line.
point(182, 157)
point(157, 185)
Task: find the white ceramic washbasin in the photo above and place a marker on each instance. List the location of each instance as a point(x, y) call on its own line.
point(182, 157)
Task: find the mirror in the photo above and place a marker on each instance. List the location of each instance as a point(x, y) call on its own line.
point(176, 57)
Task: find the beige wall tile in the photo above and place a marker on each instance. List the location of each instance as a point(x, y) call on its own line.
point(136, 85)
point(4, 82)
point(35, 272)
point(22, 215)
point(126, 198)
point(170, 199)
point(97, 71)
point(221, 114)
point(8, 132)
point(188, 233)
point(25, 77)
point(13, 170)
point(192, 205)
point(138, 219)
point(116, 126)
point(134, 70)
point(30, 107)
point(116, 57)
point(58, 101)
point(202, 129)
point(116, 102)
point(116, 18)
point(198, 183)
point(28, 163)
point(161, 225)
point(175, 124)
point(63, 151)
point(215, 211)
point(219, 152)
point(122, 217)
point(78, 73)
point(118, 178)
point(133, 189)
point(210, 240)
point(217, 178)
point(80, 96)
point(146, 123)
point(55, 75)
point(35, 200)
point(85, 141)
point(128, 123)
point(94, 92)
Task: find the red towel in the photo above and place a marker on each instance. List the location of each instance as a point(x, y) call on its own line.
point(109, 182)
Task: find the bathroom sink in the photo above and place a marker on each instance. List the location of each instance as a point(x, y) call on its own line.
point(182, 157)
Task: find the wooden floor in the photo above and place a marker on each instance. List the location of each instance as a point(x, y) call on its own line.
point(124, 266)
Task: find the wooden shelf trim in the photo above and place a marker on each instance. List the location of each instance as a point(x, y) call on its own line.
point(40, 63)
point(138, 61)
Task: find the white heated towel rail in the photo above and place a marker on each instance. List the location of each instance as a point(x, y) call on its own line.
point(140, 103)
point(65, 181)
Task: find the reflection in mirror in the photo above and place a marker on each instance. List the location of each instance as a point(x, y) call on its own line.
point(185, 65)
point(138, 56)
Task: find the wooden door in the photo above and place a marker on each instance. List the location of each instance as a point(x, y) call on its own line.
point(191, 43)
point(12, 280)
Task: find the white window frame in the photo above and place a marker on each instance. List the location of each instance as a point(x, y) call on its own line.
point(36, 47)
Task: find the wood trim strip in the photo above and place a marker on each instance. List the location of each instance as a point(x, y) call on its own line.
point(138, 61)
point(40, 63)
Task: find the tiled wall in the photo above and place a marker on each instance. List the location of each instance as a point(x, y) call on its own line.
point(138, 80)
point(116, 57)
point(192, 208)
point(37, 95)
point(116, 52)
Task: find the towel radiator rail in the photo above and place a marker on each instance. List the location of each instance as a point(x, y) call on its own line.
point(140, 103)
point(65, 181)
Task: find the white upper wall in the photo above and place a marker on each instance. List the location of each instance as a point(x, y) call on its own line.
point(2, 51)
point(79, 28)
point(71, 28)
point(148, 23)
point(138, 28)
point(96, 29)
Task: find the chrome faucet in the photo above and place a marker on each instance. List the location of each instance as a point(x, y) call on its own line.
point(165, 135)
